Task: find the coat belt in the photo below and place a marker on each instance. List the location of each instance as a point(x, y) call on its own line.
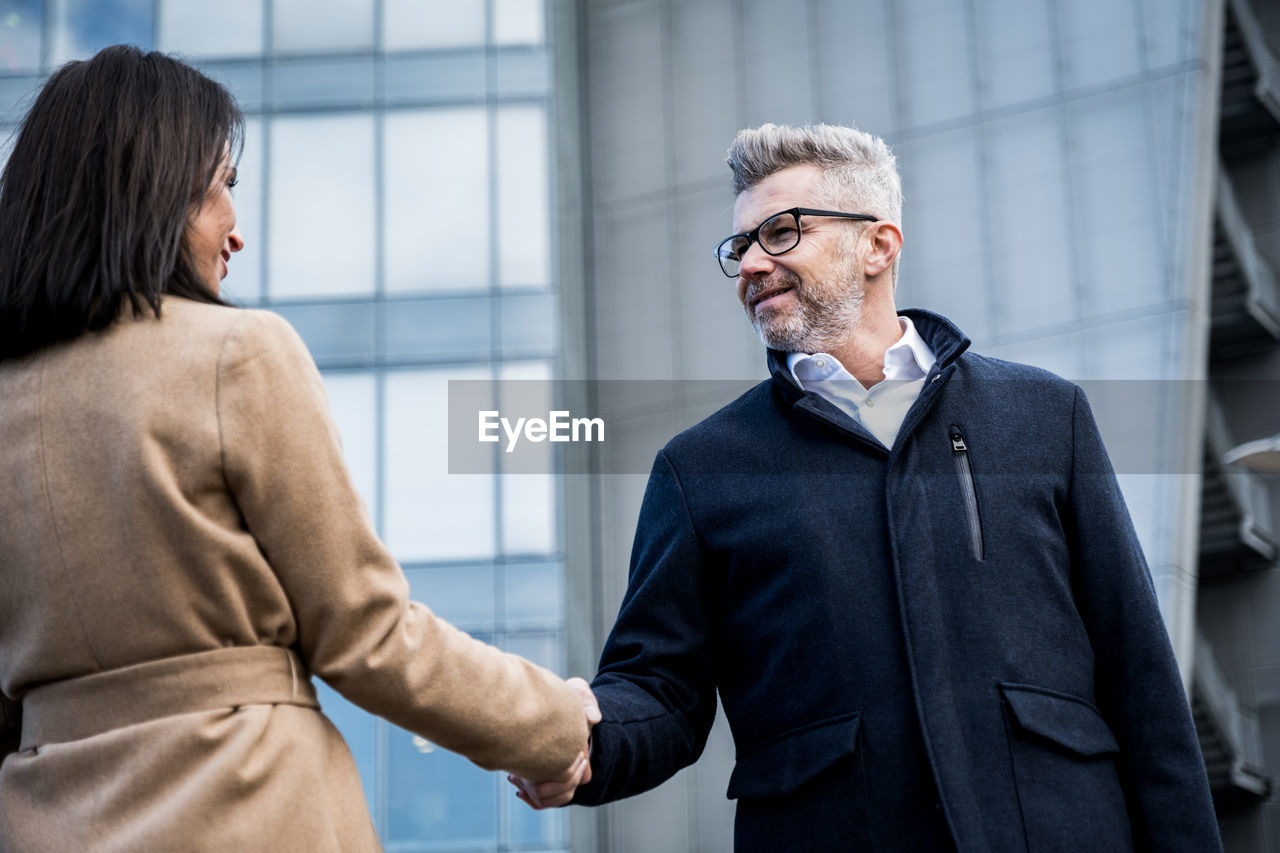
point(224, 678)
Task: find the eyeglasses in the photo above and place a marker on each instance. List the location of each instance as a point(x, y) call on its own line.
point(777, 235)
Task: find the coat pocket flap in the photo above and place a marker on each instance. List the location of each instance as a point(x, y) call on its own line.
point(781, 765)
point(1068, 722)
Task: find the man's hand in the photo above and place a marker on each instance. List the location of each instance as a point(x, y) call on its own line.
point(588, 699)
point(559, 791)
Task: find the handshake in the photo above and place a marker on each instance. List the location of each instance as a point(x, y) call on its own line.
point(560, 790)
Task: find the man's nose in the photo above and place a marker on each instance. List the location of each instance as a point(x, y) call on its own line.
point(755, 261)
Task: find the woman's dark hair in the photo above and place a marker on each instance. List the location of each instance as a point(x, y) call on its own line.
point(106, 170)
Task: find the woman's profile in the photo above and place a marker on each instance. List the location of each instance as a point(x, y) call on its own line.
point(182, 547)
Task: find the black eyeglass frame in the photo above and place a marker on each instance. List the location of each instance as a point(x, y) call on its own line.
point(753, 236)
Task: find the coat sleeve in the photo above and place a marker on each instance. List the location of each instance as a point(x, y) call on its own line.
point(656, 685)
point(1138, 685)
point(357, 628)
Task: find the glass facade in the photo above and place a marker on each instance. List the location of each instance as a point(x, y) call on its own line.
point(395, 197)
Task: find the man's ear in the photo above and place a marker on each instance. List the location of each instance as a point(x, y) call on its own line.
point(886, 242)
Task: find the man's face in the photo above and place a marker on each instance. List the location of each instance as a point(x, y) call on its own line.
point(810, 298)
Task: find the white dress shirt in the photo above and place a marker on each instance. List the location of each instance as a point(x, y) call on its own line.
point(881, 408)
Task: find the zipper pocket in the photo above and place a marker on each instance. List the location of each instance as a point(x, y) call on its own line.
point(960, 453)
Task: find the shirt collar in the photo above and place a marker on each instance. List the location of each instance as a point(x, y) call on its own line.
point(908, 358)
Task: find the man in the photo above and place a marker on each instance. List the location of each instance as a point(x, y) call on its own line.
point(907, 569)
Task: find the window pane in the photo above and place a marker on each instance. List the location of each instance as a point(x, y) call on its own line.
point(1099, 40)
point(298, 25)
point(1114, 177)
point(411, 24)
point(528, 513)
point(435, 799)
point(947, 268)
point(322, 206)
point(1146, 349)
point(341, 81)
point(185, 26)
point(936, 79)
point(358, 729)
point(542, 830)
point(354, 402)
point(529, 500)
point(461, 595)
point(631, 313)
point(17, 94)
point(244, 273)
point(339, 334)
point(1016, 51)
point(526, 828)
point(534, 595)
point(531, 323)
point(19, 35)
point(518, 22)
point(851, 45)
point(1060, 354)
point(541, 647)
point(1170, 29)
point(83, 27)
point(437, 200)
point(523, 74)
point(524, 229)
point(453, 328)
point(8, 136)
point(455, 76)
point(628, 156)
point(429, 514)
point(1171, 135)
point(1033, 266)
point(245, 81)
point(781, 89)
point(1148, 498)
point(435, 796)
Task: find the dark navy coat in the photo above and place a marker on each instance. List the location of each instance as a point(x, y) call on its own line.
point(950, 644)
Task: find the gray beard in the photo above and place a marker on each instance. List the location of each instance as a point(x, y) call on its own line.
point(825, 315)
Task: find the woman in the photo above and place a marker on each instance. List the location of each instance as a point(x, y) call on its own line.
point(182, 545)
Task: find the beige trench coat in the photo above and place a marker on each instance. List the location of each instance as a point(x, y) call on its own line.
point(180, 543)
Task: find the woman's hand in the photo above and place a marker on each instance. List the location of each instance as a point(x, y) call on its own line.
point(559, 791)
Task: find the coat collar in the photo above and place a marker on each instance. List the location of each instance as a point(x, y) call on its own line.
point(942, 336)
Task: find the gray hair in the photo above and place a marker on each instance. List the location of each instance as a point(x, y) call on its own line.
point(858, 168)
